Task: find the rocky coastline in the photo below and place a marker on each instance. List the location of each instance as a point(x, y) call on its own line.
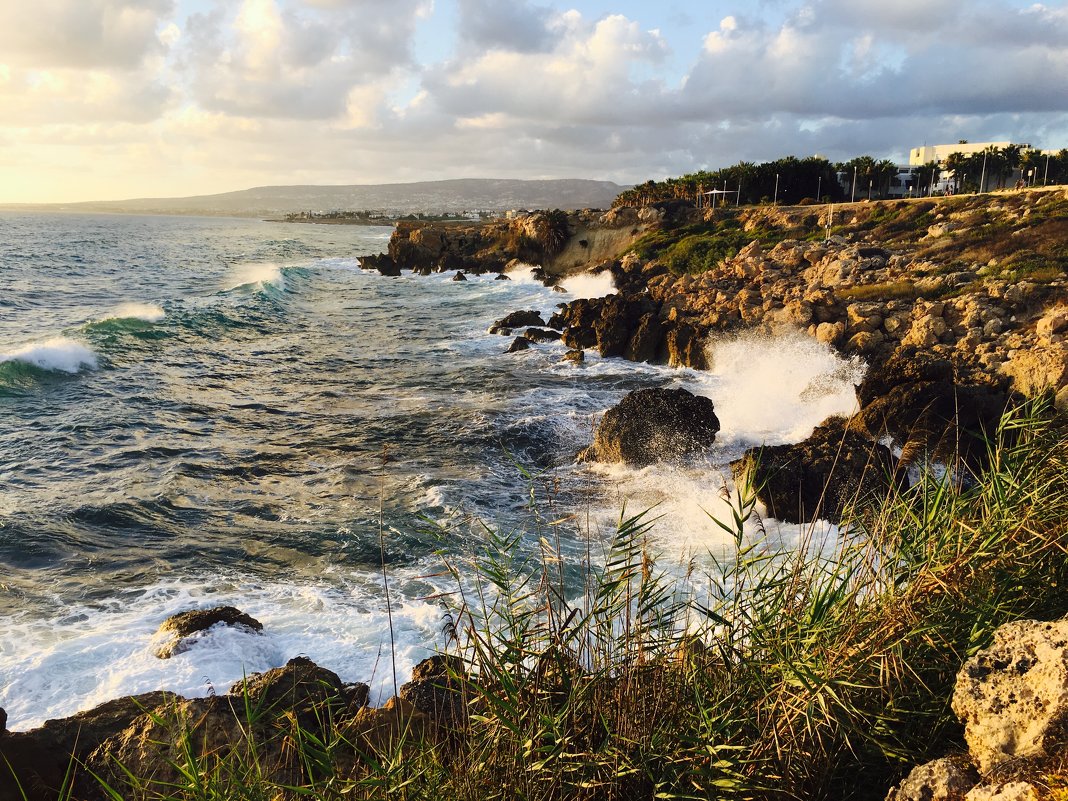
point(960, 308)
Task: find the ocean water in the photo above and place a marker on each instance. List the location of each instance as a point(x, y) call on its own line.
point(197, 412)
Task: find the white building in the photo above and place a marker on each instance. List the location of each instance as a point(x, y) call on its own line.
point(919, 156)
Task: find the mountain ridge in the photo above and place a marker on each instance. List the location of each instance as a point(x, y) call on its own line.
point(457, 194)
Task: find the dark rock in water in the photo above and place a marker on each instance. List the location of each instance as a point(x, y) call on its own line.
point(425, 271)
point(517, 319)
point(644, 344)
point(575, 355)
point(559, 288)
point(459, 277)
point(3, 720)
point(653, 425)
point(820, 477)
point(177, 628)
point(502, 277)
point(381, 262)
point(41, 758)
point(918, 401)
point(440, 689)
point(518, 344)
point(616, 324)
point(541, 335)
point(684, 347)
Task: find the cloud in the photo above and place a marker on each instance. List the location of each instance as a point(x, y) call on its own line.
point(117, 34)
point(518, 26)
point(265, 59)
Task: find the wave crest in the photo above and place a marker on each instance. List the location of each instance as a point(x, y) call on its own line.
point(60, 354)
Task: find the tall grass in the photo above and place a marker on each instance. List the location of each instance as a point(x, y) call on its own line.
point(821, 671)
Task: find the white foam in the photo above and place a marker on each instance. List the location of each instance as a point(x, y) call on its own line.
point(260, 275)
point(58, 353)
point(590, 285)
point(149, 312)
point(85, 656)
point(776, 388)
point(523, 273)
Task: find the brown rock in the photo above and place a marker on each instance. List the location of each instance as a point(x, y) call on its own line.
point(947, 779)
point(175, 633)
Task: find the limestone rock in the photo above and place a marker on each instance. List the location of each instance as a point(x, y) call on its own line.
point(1012, 791)
point(653, 425)
point(946, 779)
point(1013, 697)
point(440, 689)
point(575, 355)
point(176, 633)
point(541, 335)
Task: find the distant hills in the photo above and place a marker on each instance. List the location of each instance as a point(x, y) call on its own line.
point(429, 197)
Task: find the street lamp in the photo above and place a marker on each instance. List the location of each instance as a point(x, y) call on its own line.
point(853, 196)
point(775, 200)
point(819, 185)
point(870, 182)
point(982, 180)
point(1046, 173)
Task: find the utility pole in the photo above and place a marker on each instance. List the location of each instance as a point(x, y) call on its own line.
point(819, 185)
point(853, 196)
point(870, 182)
point(1045, 174)
point(982, 180)
point(775, 201)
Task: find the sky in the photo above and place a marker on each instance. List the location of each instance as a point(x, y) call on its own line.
point(113, 99)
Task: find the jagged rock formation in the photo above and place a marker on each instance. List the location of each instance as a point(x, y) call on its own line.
point(818, 478)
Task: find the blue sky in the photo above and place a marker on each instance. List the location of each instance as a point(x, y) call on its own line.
point(126, 98)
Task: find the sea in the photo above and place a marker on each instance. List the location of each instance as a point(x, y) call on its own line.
point(210, 411)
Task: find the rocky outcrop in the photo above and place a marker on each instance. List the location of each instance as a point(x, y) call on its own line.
point(654, 425)
point(40, 759)
point(818, 478)
point(516, 319)
point(177, 633)
point(920, 401)
point(440, 689)
point(1012, 698)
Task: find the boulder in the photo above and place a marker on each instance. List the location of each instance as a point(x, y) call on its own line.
point(300, 685)
point(1013, 696)
point(518, 344)
point(1009, 791)
point(176, 634)
point(653, 425)
point(517, 319)
point(946, 779)
point(379, 730)
point(459, 277)
point(381, 262)
point(575, 355)
point(818, 478)
point(644, 344)
point(502, 277)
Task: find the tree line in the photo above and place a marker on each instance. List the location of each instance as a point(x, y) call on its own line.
point(791, 180)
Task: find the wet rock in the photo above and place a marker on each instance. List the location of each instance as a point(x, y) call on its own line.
point(818, 478)
point(176, 632)
point(542, 335)
point(683, 346)
point(575, 355)
point(947, 779)
point(517, 319)
point(300, 685)
point(518, 344)
point(459, 277)
point(3, 720)
point(502, 277)
point(1013, 696)
point(644, 343)
point(653, 425)
point(381, 262)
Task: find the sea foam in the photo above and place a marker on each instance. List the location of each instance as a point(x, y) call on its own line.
point(262, 274)
point(148, 312)
point(58, 353)
point(590, 285)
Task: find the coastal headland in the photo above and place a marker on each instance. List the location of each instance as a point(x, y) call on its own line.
point(959, 307)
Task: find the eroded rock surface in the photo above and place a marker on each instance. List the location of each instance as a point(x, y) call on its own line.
point(176, 633)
